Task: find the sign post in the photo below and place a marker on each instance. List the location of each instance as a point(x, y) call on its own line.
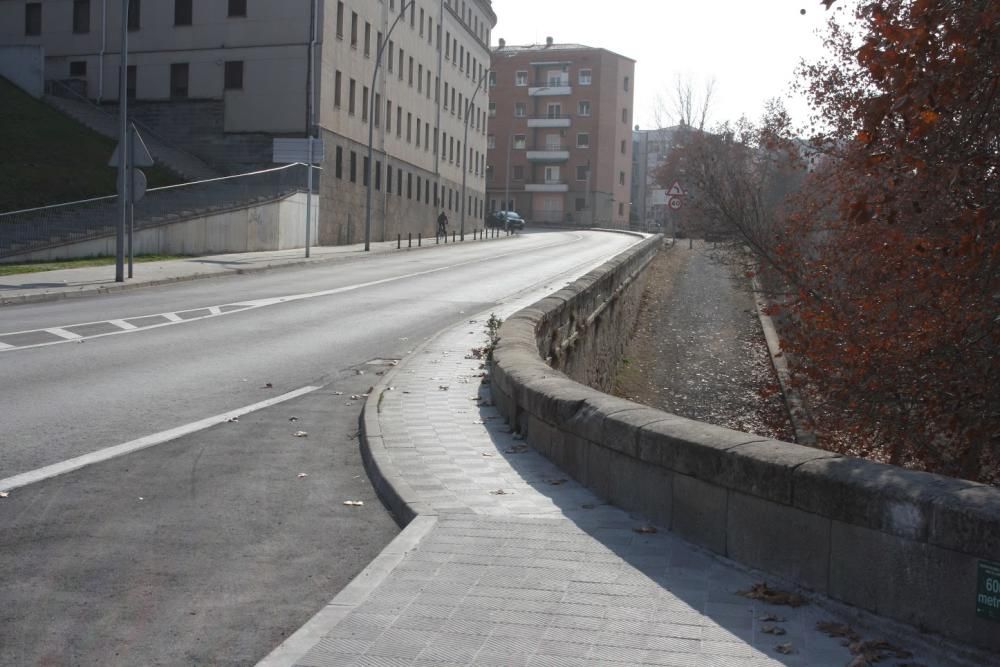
point(131, 188)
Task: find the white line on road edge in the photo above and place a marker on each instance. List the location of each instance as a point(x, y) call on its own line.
point(115, 451)
point(122, 324)
point(62, 333)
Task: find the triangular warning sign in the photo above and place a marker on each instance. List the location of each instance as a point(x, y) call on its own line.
point(140, 154)
point(676, 190)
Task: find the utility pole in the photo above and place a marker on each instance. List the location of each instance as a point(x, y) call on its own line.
point(371, 125)
point(124, 156)
point(506, 192)
point(310, 121)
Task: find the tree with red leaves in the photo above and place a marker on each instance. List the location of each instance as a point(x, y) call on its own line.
point(892, 246)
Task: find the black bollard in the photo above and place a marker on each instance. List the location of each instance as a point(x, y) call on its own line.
point(453, 236)
point(409, 239)
point(399, 241)
point(420, 239)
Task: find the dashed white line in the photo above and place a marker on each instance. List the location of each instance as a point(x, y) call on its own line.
point(62, 333)
point(115, 451)
point(173, 317)
point(215, 310)
point(5, 346)
point(122, 324)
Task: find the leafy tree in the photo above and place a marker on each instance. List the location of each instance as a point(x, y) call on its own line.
point(893, 245)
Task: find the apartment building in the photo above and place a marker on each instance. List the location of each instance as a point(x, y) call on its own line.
point(650, 149)
point(222, 78)
point(560, 139)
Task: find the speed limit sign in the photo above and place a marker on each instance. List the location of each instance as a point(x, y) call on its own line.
point(675, 203)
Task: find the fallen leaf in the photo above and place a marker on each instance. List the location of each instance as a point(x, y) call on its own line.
point(557, 482)
point(232, 420)
point(359, 372)
point(771, 618)
point(443, 387)
point(4, 494)
point(354, 503)
point(301, 434)
point(784, 649)
point(268, 386)
point(338, 393)
point(517, 449)
point(500, 492)
point(764, 593)
point(293, 419)
point(303, 474)
point(832, 629)
point(772, 630)
point(487, 454)
point(645, 530)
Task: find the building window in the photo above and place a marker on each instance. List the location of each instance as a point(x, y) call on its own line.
point(354, 30)
point(583, 140)
point(623, 147)
point(583, 108)
point(520, 110)
point(521, 79)
point(81, 16)
point(134, 14)
point(581, 203)
point(354, 167)
point(388, 117)
point(179, 80)
point(234, 75)
point(625, 115)
point(493, 79)
point(621, 178)
point(378, 109)
point(337, 81)
point(584, 77)
point(368, 39)
point(520, 142)
point(351, 91)
point(364, 171)
point(364, 104)
point(339, 162)
point(78, 68)
point(378, 175)
point(493, 109)
point(491, 142)
point(33, 19)
point(388, 179)
point(409, 185)
point(237, 9)
point(621, 209)
point(130, 81)
point(183, 12)
point(399, 181)
point(340, 20)
point(517, 172)
point(581, 172)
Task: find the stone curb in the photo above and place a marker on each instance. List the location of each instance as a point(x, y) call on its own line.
point(355, 593)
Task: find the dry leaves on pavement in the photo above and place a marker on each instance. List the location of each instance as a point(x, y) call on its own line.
point(765, 593)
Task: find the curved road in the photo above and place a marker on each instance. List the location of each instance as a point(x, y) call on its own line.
point(211, 547)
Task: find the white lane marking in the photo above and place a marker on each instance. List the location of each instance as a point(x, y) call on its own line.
point(215, 310)
point(115, 451)
point(122, 324)
point(62, 333)
point(173, 318)
point(5, 346)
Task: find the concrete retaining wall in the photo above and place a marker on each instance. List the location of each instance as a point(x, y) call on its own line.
point(277, 225)
point(24, 66)
point(902, 544)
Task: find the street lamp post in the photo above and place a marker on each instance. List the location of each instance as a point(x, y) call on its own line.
point(124, 155)
point(465, 145)
point(371, 123)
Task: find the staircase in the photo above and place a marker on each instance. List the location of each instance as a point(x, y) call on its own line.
point(84, 112)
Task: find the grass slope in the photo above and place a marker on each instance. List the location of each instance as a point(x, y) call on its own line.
point(48, 158)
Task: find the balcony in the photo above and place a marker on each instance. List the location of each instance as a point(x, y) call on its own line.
point(551, 87)
point(547, 186)
point(549, 121)
point(549, 152)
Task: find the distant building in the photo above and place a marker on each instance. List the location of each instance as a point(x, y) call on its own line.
point(563, 115)
point(222, 78)
point(650, 149)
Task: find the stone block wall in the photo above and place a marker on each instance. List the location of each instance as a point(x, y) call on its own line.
point(899, 543)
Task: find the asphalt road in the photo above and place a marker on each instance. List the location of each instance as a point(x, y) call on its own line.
point(210, 548)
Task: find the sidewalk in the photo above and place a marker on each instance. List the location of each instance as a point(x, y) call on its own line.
point(508, 562)
point(87, 281)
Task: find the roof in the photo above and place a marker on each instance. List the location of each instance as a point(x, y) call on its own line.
point(514, 49)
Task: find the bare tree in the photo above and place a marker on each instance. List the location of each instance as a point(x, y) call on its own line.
point(685, 104)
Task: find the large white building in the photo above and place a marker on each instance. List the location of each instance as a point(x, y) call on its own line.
point(221, 78)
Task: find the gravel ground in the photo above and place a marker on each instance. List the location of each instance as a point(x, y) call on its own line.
point(699, 350)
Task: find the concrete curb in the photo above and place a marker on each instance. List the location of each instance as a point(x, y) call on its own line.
point(798, 410)
point(355, 593)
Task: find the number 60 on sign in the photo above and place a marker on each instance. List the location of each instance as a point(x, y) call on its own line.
point(988, 590)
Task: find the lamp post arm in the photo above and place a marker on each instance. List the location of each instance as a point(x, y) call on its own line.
point(371, 122)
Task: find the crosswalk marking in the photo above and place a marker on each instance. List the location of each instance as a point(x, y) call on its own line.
point(62, 333)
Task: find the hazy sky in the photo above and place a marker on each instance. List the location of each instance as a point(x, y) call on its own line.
point(750, 47)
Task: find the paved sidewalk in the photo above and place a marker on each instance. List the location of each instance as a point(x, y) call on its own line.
point(511, 563)
point(86, 281)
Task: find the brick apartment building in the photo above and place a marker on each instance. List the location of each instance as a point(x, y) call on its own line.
point(563, 115)
point(221, 78)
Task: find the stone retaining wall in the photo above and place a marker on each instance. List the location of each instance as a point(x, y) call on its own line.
point(899, 543)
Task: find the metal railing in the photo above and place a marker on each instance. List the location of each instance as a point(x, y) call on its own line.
point(43, 227)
